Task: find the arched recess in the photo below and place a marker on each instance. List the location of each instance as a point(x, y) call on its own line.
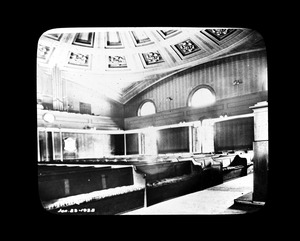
point(201, 96)
point(147, 107)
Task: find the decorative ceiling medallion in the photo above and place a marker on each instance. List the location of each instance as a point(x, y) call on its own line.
point(113, 40)
point(186, 48)
point(168, 33)
point(152, 58)
point(44, 52)
point(117, 62)
point(84, 39)
point(78, 59)
point(140, 38)
point(55, 36)
point(221, 35)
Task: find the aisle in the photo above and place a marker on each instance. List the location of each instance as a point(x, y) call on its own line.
point(215, 200)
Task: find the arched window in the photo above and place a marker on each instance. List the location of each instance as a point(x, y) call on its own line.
point(201, 96)
point(147, 108)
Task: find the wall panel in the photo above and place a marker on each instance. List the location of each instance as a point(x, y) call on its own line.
point(117, 144)
point(237, 105)
point(219, 74)
point(132, 144)
point(234, 134)
point(173, 140)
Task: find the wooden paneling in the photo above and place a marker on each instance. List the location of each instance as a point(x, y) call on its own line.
point(219, 74)
point(173, 140)
point(234, 134)
point(71, 181)
point(261, 162)
point(132, 145)
point(231, 106)
point(117, 144)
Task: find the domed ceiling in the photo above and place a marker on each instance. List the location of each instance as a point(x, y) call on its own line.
point(122, 62)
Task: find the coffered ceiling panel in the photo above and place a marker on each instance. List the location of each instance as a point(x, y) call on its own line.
point(130, 60)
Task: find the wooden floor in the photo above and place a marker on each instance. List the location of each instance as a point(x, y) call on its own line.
point(215, 200)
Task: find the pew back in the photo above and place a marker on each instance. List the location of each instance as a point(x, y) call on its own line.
point(158, 171)
point(63, 183)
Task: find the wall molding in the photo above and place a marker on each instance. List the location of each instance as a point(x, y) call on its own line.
point(79, 121)
point(188, 114)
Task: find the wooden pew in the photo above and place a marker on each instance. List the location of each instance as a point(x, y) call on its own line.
point(106, 160)
point(103, 191)
point(212, 171)
point(55, 170)
point(88, 191)
point(169, 179)
point(233, 166)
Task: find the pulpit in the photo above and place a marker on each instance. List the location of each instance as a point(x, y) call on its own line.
point(261, 150)
point(260, 158)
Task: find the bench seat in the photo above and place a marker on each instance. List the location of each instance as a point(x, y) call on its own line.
point(172, 187)
point(100, 201)
point(234, 166)
point(106, 191)
point(176, 178)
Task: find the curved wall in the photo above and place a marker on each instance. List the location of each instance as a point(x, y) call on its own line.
point(250, 68)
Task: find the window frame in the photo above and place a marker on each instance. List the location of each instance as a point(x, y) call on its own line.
point(142, 104)
point(194, 90)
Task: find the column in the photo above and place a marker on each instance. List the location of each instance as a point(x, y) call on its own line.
point(261, 150)
point(208, 136)
point(58, 89)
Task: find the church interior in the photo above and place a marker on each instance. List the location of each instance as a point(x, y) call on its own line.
point(143, 120)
